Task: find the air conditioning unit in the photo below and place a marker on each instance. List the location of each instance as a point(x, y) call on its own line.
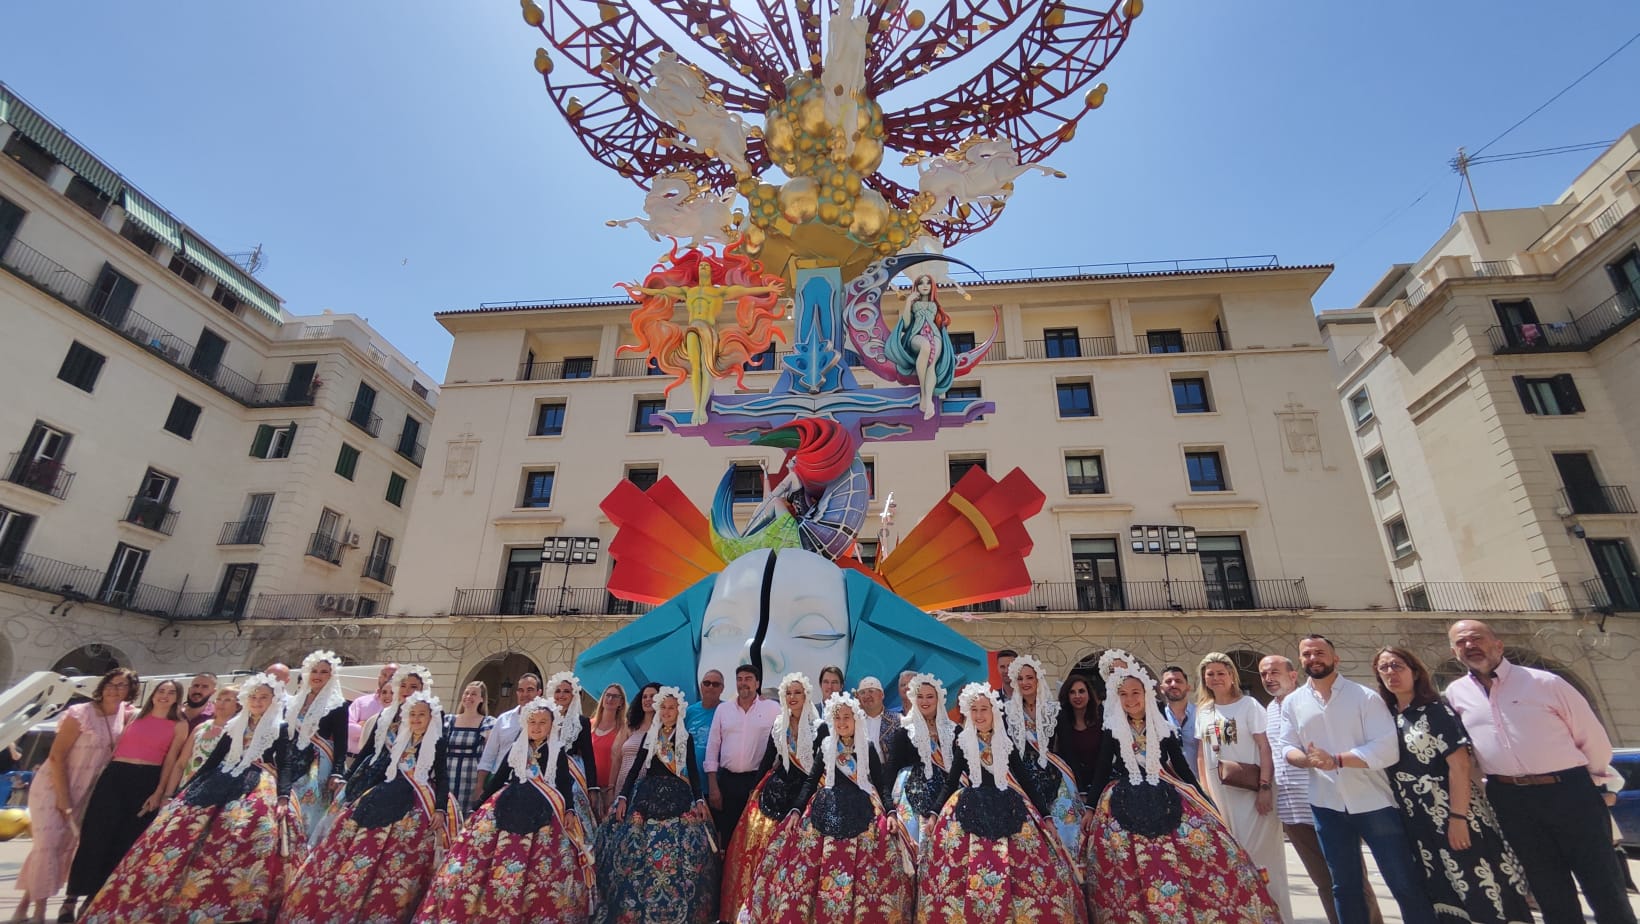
point(329, 602)
point(350, 605)
point(351, 540)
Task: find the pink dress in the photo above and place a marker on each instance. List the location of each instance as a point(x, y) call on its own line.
point(54, 838)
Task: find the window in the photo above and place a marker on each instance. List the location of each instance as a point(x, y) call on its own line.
point(248, 530)
point(1416, 599)
point(962, 341)
point(11, 218)
point(866, 551)
point(549, 418)
point(537, 489)
point(746, 484)
point(644, 476)
point(410, 440)
point(273, 442)
point(1061, 342)
point(81, 366)
point(1075, 398)
point(39, 465)
point(299, 388)
point(1625, 276)
point(643, 415)
point(134, 232)
point(363, 412)
point(963, 393)
point(187, 271)
point(14, 529)
point(1400, 540)
point(1206, 470)
point(1582, 488)
point(1097, 568)
point(225, 297)
point(183, 418)
point(1085, 473)
point(124, 576)
point(958, 466)
point(1190, 395)
point(111, 297)
point(395, 489)
point(378, 566)
point(34, 158)
point(1378, 469)
point(1360, 407)
point(870, 464)
point(577, 367)
point(151, 507)
point(1165, 341)
point(86, 196)
point(347, 461)
point(419, 390)
point(233, 591)
point(326, 543)
point(1553, 396)
point(207, 358)
point(762, 362)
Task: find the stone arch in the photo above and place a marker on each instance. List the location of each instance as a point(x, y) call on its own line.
point(1088, 666)
point(91, 660)
point(1451, 669)
point(1246, 661)
point(499, 672)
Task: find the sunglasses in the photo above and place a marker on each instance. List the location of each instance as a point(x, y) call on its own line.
point(711, 683)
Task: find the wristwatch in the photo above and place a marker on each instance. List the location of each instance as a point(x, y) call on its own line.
point(1263, 785)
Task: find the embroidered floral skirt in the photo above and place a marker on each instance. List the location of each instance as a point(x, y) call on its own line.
point(657, 872)
point(364, 875)
point(1196, 874)
point(310, 792)
point(746, 851)
point(501, 877)
point(204, 864)
point(966, 878)
point(807, 876)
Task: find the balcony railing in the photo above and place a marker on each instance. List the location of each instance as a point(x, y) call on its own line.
point(360, 415)
point(46, 476)
point(319, 606)
point(1201, 341)
point(1598, 498)
point(242, 532)
point(80, 582)
point(410, 449)
point(79, 294)
point(1484, 597)
point(1600, 321)
point(152, 514)
point(1064, 349)
point(1495, 268)
point(325, 548)
point(1114, 596)
point(379, 570)
point(546, 601)
point(1534, 338)
point(539, 371)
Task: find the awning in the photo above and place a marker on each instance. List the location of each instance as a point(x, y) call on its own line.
point(145, 212)
point(36, 128)
point(227, 273)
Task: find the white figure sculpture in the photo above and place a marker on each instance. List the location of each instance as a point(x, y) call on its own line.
point(980, 170)
point(928, 243)
point(679, 97)
point(844, 74)
point(677, 206)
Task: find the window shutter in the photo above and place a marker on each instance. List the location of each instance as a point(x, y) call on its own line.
point(1525, 392)
point(264, 439)
point(1566, 390)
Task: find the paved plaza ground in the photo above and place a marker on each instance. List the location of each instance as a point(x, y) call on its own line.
point(1306, 905)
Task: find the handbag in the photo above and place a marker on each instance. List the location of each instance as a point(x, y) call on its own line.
point(1236, 774)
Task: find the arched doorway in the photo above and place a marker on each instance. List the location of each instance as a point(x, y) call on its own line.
point(91, 660)
point(500, 673)
point(1247, 673)
point(1451, 669)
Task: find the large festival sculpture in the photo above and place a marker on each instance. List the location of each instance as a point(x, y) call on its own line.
point(785, 108)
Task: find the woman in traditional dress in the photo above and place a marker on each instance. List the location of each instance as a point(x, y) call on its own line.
point(376, 862)
point(465, 734)
point(141, 777)
point(787, 760)
point(607, 721)
point(369, 767)
point(316, 723)
point(845, 859)
point(640, 715)
point(575, 734)
point(920, 347)
point(1470, 872)
point(218, 851)
point(1157, 853)
point(919, 751)
point(1235, 765)
point(990, 856)
point(523, 857)
point(657, 863)
point(204, 738)
point(86, 735)
point(1076, 740)
point(1033, 717)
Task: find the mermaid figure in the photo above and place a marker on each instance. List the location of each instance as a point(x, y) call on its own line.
point(919, 345)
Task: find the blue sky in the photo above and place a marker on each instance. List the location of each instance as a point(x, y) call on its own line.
point(395, 160)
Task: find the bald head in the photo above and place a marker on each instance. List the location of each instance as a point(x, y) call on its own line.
point(1475, 645)
point(1278, 674)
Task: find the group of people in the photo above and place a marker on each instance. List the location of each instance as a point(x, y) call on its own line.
point(1119, 800)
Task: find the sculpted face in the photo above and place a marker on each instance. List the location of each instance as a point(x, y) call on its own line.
point(808, 624)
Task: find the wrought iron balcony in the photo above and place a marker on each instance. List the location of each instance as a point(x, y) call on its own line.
point(319, 606)
point(361, 416)
point(538, 371)
point(152, 514)
point(1070, 349)
point(83, 583)
point(1598, 498)
point(1484, 597)
point(325, 548)
point(1204, 341)
point(544, 601)
point(46, 476)
point(379, 570)
point(410, 449)
point(1534, 338)
point(242, 532)
point(1157, 596)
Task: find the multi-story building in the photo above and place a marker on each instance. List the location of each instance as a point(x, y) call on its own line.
point(1493, 390)
point(178, 448)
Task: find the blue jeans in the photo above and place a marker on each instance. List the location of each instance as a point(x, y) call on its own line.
point(1341, 834)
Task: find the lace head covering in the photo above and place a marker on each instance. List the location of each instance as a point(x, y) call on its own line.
point(1156, 728)
point(968, 738)
point(680, 735)
point(861, 744)
point(388, 717)
point(523, 752)
point(1044, 717)
point(240, 754)
point(1111, 655)
point(330, 696)
point(428, 750)
point(805, 723)
point(916, 727)
point(567, 725)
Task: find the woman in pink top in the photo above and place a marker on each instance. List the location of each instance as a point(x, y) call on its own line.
point(144, 772)
point(57, 801)
point(606, 730)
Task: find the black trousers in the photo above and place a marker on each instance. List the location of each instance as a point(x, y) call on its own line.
point(112, 824)
point(736, 789)
point(1561, 830)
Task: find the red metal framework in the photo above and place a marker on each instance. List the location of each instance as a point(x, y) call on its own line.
point(1035, 59)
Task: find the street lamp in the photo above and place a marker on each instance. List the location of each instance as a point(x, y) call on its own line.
point(567, 551)
point(1162, 540)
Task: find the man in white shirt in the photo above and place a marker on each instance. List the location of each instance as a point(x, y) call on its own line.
point(870, 695)
point(734, 750)
point(1342, 733)
point(505, 731)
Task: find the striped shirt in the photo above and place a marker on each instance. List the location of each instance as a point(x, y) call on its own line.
point(1292, 784)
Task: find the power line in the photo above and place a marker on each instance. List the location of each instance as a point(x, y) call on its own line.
point(1601, 63)
point(1541, 152)
point(1455, 201)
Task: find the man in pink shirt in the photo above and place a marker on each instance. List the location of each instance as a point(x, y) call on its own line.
point(1539, 745)
point(734, 750)
point(360, 710)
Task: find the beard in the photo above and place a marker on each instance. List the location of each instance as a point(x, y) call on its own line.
point(1319, 671)
point(1173, 696)
point(192, 703)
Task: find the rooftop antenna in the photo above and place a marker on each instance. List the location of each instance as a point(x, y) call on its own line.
point(252, 261)
point(1460, 165)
